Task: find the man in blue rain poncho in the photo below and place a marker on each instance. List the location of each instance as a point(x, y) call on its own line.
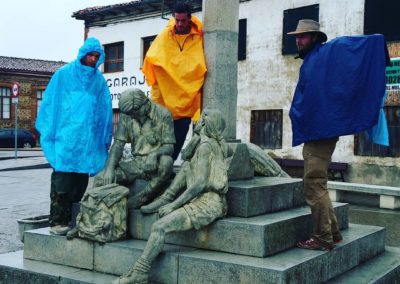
point(75, 125)
point(339, 92)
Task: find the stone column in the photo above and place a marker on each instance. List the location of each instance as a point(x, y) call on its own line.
point(221, 21)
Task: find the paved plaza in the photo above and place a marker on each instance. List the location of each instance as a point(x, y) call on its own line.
point(23, 193)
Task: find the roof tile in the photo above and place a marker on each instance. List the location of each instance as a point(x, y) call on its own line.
point(29, 65)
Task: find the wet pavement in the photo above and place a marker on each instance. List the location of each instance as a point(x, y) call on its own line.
point(23, 193)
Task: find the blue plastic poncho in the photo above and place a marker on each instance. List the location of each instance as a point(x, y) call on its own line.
point(75, 118)
point(340, 88)
point(379, 133)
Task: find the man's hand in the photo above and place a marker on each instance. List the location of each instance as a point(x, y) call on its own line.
point(151, 163)
point(166, 209)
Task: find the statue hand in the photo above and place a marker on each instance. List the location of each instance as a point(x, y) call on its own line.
point(184, 155)
point(151, 164)
point(166, 209)
point(107, 175)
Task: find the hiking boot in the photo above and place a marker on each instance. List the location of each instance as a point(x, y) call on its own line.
point(60, 230)
point(337, 238)
point(73, 233)
point(315, 244)
point(155, 205)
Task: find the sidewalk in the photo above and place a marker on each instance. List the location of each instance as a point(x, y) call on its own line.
point(23, 193)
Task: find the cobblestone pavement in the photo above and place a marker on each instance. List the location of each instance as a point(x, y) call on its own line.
point(23, 193)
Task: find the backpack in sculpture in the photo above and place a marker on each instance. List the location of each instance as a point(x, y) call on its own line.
point(103, 213)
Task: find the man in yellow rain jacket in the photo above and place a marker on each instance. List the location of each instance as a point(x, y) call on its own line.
point(175, 67)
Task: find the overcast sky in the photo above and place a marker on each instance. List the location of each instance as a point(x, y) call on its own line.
point(43, 29)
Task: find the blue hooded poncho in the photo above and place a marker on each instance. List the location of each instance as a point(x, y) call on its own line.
point(75, 117)
point(340, 88)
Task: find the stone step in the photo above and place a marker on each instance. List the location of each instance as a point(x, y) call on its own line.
point(185, 265)
point(255, 236)
point(113, 258)
point(261, 195)
point(17, 270)
point(292, 266)
point(384, 268)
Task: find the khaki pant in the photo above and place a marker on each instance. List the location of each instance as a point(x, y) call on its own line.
point(317, 157)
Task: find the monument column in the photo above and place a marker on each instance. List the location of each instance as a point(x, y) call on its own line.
point(221, 21)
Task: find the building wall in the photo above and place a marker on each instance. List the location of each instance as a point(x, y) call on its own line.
point(266, 79)
point(27, 102)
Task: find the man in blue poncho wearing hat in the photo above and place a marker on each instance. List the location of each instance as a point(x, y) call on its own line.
point(339, 92)
point(75, 125)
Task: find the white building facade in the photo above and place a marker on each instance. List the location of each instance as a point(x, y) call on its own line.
point(267, 70)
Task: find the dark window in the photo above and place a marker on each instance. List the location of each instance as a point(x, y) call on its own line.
point(5, 103)
point(364, 147)
point(39, 99)
point(381, 16)
point(116, 115)
point(147, 41)
point(266, 128)
point(242, 39)
point(114, 61)
point(290, 19)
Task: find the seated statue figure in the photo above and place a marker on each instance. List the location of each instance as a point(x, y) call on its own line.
point(196, 196)
point(149, 129)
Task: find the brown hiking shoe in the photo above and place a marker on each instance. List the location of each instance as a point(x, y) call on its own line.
point(315, 244)
point(337, 238)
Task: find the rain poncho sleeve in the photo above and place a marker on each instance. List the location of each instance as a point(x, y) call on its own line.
point(340, 88)
point(75, 118)
point(175, 68)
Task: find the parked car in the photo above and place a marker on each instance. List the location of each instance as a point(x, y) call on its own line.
point(25, 138)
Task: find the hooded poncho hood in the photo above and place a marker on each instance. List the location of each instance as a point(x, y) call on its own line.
point(91, 44)
point(75, 117)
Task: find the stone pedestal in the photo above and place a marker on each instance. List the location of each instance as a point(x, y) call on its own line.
point(256, 248)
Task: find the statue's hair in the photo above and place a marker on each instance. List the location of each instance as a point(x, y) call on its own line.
point(130, 98)
point(215, 126)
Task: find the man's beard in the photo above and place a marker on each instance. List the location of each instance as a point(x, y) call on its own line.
point(303, 52)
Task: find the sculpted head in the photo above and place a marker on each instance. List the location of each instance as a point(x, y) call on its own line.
point(134, 102)
point(213, 123)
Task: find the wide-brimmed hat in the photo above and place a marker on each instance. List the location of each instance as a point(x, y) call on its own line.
point(309, 26)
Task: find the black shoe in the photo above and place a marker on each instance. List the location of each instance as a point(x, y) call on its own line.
point(60, 230)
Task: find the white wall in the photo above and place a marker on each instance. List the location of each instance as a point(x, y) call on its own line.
point(266, 79)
